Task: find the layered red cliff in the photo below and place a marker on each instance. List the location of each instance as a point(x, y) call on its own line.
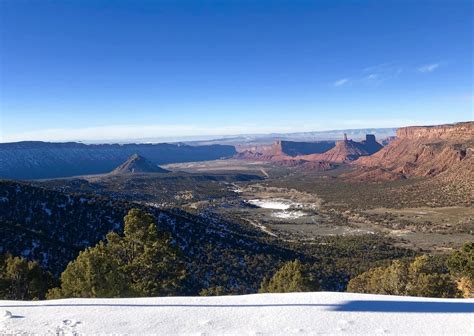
point(426, 151)
point(458, 132)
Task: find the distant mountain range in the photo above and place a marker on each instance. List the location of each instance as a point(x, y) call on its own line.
point(35, 160)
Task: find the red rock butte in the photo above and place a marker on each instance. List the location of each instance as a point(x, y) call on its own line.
point(445, 150)
point(320, 151)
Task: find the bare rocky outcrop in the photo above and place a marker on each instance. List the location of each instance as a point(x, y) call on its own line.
point(444, 152)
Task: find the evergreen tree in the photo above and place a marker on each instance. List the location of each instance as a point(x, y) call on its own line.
point(289, 278)
point(461, 265)
point(461, 262)
point(147, 256)
point(367, 282)
point(213, 291)
point(142, 262)
point(95, 273)
point(418, 278)
point(433, 285)
point(394, 279)
point(21, 279)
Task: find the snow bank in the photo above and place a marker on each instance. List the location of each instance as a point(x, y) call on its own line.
point(259, 314)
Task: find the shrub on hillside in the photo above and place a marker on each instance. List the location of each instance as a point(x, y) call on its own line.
point(142, 262)
point(461, 266)
point(291, 277)
point(21, 279)
point(421, 277)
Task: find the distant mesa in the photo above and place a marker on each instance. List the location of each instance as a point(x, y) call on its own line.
point(291, 153)
point(251, 155)
point(137, 164)
point(282, 148)
point(371, 145)
point(347, 150)
point(43, 160)
point(295, 148)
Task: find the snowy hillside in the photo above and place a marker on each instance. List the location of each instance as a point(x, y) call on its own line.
point(260, 314)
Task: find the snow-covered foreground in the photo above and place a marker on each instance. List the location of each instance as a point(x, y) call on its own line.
point(260, 314)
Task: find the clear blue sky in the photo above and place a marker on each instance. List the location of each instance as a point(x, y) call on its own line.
point(126, 69)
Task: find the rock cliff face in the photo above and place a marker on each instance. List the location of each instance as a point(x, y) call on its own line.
point(251, 155)
point(261, 149)
point(387, 140)
point(346, 151)
point(370, 144)
point(459, 132)
point(34, 159)
point(283, 148)
point(427, 151)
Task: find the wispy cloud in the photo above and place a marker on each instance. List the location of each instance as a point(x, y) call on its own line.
point(373, 75)
point(341, 82)
point(377, 68)
point(376, 75)
point(428, 67)
point(381, 73)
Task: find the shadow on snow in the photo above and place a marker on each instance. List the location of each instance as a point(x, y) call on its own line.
point(349, 306)
point(406, 306)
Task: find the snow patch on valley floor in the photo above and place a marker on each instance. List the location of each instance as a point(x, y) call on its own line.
point(275, 204)
point(259, 314)
point(285, 207)
point(287, 214)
